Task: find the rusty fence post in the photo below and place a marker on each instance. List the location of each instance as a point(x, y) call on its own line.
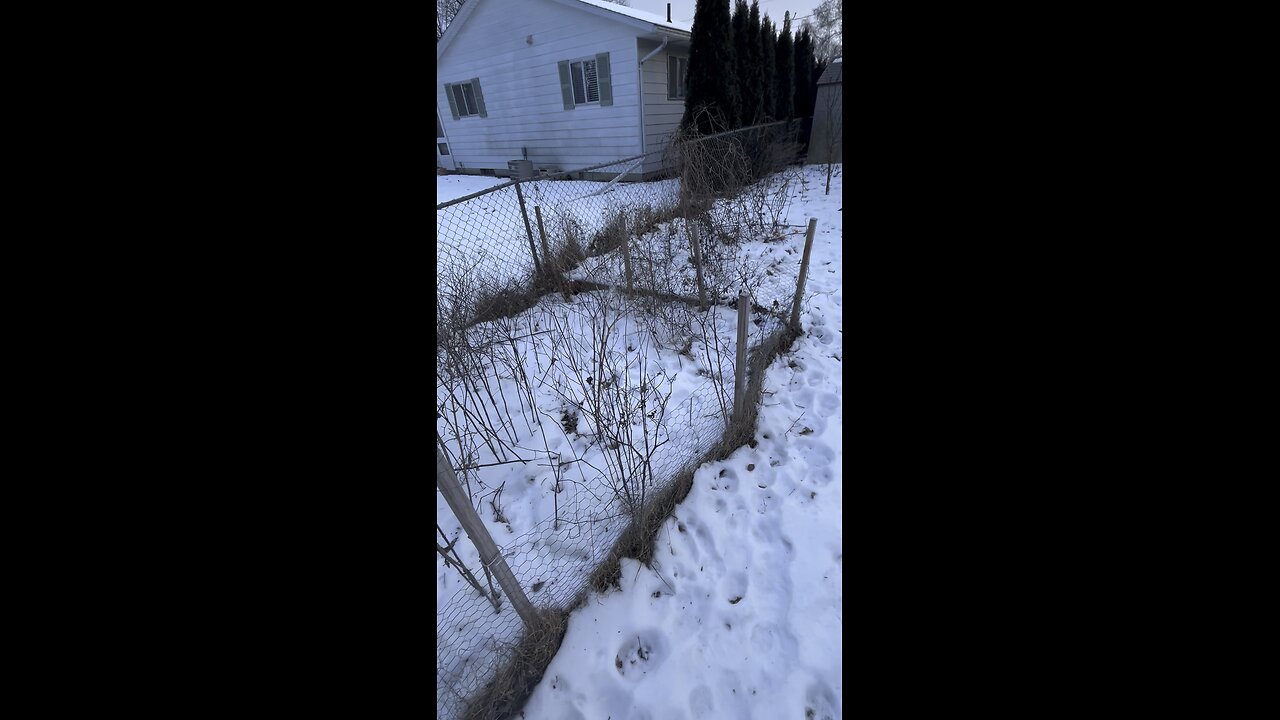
point(528, 229)
point(542, 231)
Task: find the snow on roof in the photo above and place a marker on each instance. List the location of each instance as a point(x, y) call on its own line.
point(638, 14)
point(837, 60)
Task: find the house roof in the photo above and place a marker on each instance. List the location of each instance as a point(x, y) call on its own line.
point(646, 23)
point(833, 74)
point(638, 14)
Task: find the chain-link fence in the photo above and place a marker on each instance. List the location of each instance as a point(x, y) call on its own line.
point(587, 358)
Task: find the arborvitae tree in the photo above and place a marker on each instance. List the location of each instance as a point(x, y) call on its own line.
point(784, 80)
point(819, 67)
point(768, 71)
point(742, 52)
point(804, 75)
point(753, 99)
point(713, 80)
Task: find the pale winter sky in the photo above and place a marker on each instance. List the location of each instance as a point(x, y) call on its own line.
point(682, 10)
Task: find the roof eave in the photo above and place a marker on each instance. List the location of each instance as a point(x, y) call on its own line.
point(452, 31)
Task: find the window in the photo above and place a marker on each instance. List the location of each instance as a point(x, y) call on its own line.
point(465, 99)
point(586, 81)
point(677, 72)
point(586, 85)
point(465, 96)
point(444, 148)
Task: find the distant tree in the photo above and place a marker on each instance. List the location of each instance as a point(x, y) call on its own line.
point(753, 102)
point(805, 81)
point(826, 28)
point(713, 78)
point(818, 69)
point(784, 80)
point(446, 11)
point(747, 83)
point(768, 69)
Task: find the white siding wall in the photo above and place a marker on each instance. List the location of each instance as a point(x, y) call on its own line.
point(661, 116)
point(521, 87)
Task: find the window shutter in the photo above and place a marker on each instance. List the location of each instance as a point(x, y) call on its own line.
point(673, 67)
point(604, 78)
point(566, 90)
point(475, 85)
point(453, 104)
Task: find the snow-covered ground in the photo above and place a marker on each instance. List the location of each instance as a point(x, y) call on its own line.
point(452, 187)
point(742, 615)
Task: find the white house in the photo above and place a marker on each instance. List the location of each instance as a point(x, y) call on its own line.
point(558, 83)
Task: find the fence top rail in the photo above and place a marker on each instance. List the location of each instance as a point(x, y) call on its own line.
point(551, 176)
point(565, 173)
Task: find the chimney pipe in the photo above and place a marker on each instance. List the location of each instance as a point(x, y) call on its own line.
point(668, 12)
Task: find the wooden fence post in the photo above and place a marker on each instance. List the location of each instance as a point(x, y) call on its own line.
point(447, 482)
point(740, 376)
point(804, 271)
point(528, 229)
point(697, 258)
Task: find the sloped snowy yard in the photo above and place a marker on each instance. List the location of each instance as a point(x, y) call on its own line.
point(740, 617)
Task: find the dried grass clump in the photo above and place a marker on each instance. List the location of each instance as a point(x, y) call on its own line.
point(507, 692)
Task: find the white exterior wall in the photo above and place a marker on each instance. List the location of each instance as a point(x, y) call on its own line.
point(661, 116)
point(521, 87)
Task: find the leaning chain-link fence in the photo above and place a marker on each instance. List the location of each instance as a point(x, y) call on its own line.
point(586, 360)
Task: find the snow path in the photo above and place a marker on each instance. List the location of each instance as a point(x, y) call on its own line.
point(742, 613)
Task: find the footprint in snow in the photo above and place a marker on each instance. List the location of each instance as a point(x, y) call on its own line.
point(640, 654)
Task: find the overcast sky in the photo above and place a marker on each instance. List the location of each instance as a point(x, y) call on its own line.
point(682, 10)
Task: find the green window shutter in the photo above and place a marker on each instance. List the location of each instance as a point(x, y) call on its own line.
point(475, 85)
point(604, 79)
point(673, 67)
point(453, 104)
point(566, 90)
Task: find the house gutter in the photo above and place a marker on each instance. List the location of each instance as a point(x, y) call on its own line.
point(640, 70)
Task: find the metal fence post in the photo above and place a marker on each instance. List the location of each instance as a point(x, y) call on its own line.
point(740, 376)
point(542, 232)
point(804, 270)
point(626, 250)
point(447, 482)
point(528, 229)
point(697, 258)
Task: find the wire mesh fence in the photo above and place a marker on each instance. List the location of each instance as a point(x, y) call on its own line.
point(586, 361)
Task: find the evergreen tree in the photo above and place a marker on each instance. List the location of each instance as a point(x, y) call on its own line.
point(768, 70)
point(713, 79)
point(784, 79)
point(742, 52)
point(753, 103)
point(804, 75)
